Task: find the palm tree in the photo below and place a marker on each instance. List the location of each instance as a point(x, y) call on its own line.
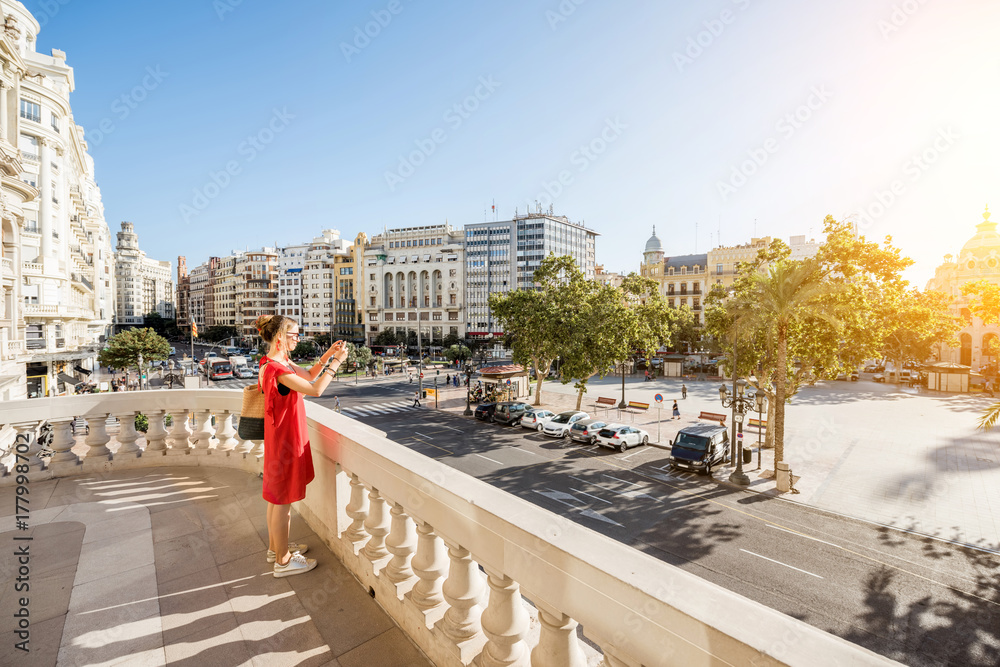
point(778, 299)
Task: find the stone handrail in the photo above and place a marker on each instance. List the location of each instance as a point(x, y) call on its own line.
point(7, 264)
point(415, 531)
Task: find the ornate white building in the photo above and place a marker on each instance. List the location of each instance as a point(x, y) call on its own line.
point(144, 285)
point(58, 281)
point(979, 259)
point(414, 280)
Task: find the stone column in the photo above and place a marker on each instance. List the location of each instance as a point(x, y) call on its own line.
point(505, 623)
point(203, 431)
point(45, 227)
point(462, 591)
point(357, 509)
point(98, 437)
point(401, 543)
point(127, 435)
point(4, 134)
point(376, 525)
point(224, 432)
point(26, 444)
point(62, 444)
point(156, 436)
point(557, 645)
point(428, 565)
point(179, 438)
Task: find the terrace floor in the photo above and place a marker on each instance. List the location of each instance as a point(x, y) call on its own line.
point(158, 566)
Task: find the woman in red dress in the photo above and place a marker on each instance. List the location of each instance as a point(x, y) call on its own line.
point(287, 457)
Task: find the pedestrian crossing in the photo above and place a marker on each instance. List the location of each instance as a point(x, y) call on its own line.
point(369, 410)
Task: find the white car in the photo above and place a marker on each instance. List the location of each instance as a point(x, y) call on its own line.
point(621, 437)
point(536, 419)
point(559, 426)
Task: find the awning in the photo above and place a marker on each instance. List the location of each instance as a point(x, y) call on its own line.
point(81, 369)
point(68, 379)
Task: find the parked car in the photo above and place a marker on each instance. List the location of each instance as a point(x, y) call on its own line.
point(852, 376)
point(558, 426)
point(700, 447)
point(510, 412)
point(484, 411)
point(621, 437)
point(879, 377)
point(586, 430)
point(536, 418)
point(242, 371)
point(874, 368)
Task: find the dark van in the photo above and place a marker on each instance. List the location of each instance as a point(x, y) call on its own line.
point(700, 447)
point(510, 412)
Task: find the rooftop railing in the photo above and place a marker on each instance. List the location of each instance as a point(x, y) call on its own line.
point(451, 558)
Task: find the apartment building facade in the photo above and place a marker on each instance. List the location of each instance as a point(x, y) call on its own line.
point(413, 280)
point(57, 268)
point(145, 285)
point(502, 256)
point(682, 279)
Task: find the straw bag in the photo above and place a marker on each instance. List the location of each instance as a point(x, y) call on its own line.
point(252, 414)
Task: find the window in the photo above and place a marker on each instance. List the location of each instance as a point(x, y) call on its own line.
point(55, 122)
point(31, 111)
point(718, 268)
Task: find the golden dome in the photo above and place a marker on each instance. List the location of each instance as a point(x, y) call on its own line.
point(986, 238)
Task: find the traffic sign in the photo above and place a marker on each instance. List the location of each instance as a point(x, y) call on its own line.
point(508, 382)
point(658, 398)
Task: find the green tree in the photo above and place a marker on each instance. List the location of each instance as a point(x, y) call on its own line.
point(305, 349)
point(459, 352)
point(540, 319)
point(920, 322)
point(124, 349)
point(218, 333)
point(985, 304)
point(451, 339)
point(386, 337)
point(358, 356)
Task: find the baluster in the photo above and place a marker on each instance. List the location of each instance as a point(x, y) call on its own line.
point(401, 543)
point(27, 434)
point(98, 438)
point(127, 435)
point(463, 590)
point(156, 436)
point(429, 565)
point(224, 431)
point(557, 645)
point(203, 431)
point(62, 444)
point(242, 446)
point(179, 438)
point(505, 623)
point(376, 525)
point(357, 509)
point(258, 448)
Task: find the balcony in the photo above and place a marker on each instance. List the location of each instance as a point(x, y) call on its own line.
point(31, 268)
point(6, 266)
point(29, 158)
point(451, 561)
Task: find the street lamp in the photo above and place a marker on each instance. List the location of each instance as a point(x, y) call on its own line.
point(741, 405)
point(468, 389)
point(761, 400)
point(140, 370)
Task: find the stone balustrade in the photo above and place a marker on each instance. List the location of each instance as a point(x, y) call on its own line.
point(472, 574)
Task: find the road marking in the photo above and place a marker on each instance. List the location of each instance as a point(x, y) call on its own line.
point(626, 458)
point(449, 427)
point(489, 459)
point(591, 496)
point(619, 480)
point(815, 539)
point(780, 563)
point(431, 444)
point(549, 495)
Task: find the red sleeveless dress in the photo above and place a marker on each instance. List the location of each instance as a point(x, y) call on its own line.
point(288, 463)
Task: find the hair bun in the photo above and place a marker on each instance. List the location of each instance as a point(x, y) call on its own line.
point(262, 322)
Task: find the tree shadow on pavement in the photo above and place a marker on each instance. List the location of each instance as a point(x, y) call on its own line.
point(958, 626)
point(666, 523)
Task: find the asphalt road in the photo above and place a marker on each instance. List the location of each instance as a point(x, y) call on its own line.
point(914, 599)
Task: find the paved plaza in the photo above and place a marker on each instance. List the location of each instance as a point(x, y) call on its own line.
point(908, 458)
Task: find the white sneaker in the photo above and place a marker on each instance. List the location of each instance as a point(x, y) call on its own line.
point(292, 548)
point(297, 564)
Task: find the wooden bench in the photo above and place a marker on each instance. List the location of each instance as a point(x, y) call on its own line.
point(713, 416)
point(637, 408)
point(606, 403)
point(759, 423)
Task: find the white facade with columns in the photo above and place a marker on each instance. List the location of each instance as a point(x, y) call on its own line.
point(58, 267)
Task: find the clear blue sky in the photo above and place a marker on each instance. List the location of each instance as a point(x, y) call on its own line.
point(676, 122)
